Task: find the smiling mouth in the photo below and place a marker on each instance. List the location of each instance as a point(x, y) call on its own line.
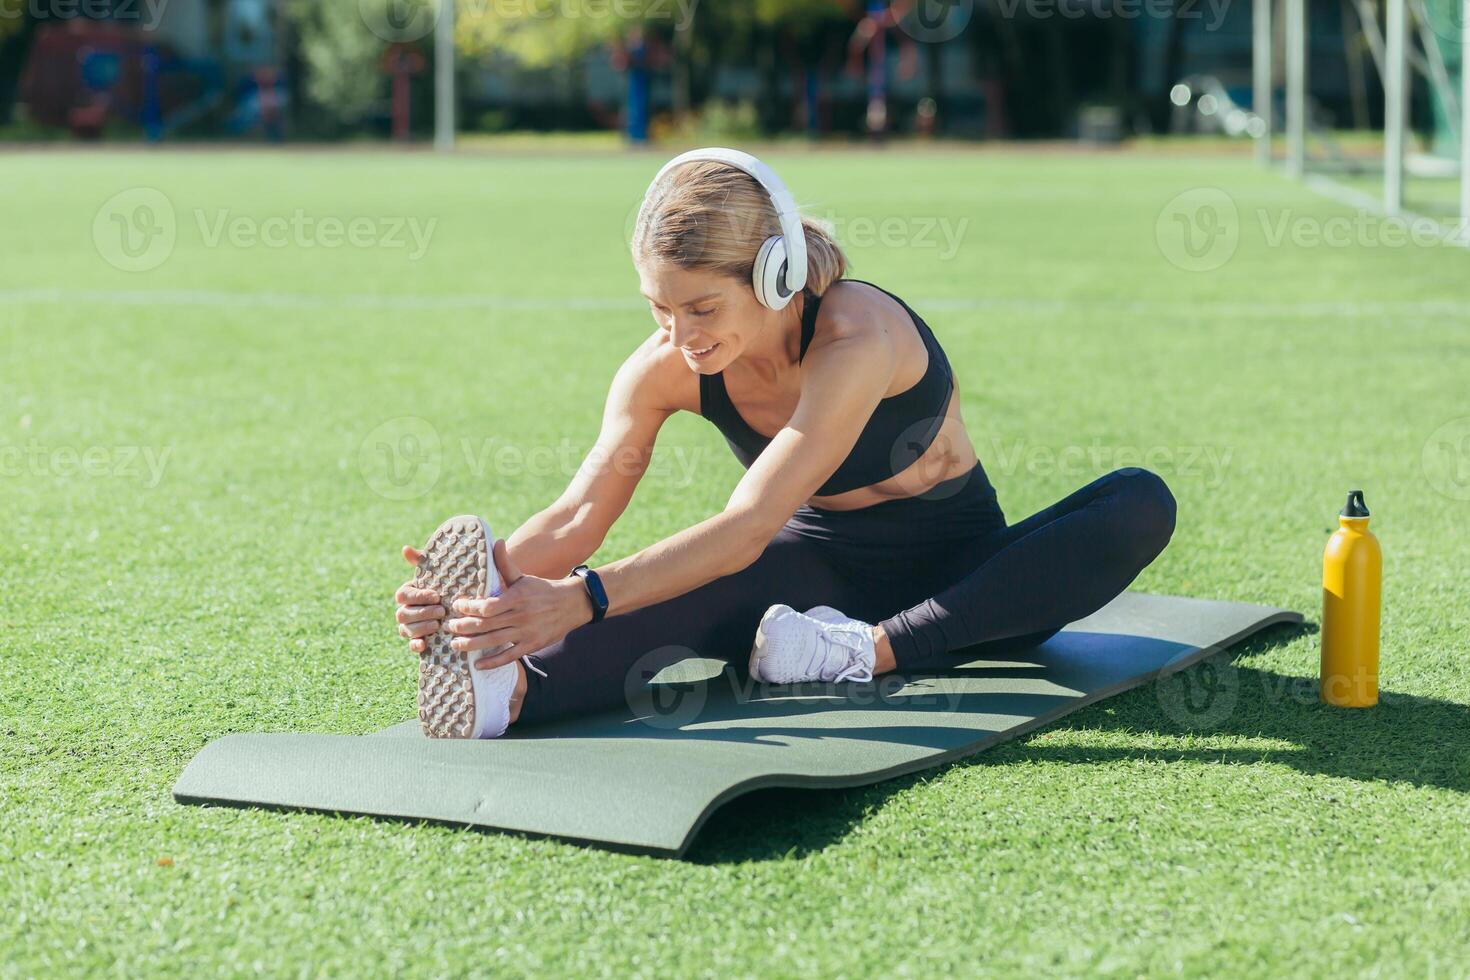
point(701, 352)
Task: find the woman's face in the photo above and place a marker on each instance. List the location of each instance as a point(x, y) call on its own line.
point(711, 318)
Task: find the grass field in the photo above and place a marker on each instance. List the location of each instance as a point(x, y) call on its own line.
point(201, 538)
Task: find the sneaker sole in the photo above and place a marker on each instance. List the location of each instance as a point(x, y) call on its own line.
point(456, 565)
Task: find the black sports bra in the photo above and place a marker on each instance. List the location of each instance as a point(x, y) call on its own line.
point(898, 432)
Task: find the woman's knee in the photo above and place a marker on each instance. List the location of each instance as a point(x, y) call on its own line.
point(1148, 511)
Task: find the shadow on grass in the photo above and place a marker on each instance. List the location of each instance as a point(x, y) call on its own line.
point(1416, 740)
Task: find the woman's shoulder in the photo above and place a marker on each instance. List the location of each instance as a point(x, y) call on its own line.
point(854, 310)
point(859, 315)
point(659, 373)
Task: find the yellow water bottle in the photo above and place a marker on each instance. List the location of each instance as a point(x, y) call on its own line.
point(1352, 574)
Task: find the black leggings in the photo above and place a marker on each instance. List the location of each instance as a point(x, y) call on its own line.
point(948, 580)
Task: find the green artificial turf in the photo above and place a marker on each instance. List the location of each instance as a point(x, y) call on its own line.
point(1223, 823)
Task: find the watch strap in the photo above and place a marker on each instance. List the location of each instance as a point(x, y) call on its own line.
point(596, 594)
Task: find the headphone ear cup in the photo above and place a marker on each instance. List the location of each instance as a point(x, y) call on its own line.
point(769, 274)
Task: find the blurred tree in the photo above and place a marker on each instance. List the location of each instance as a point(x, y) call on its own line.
point(342, 57)
point(790, 40)
point(17, 28)
point(805, 41)
point(539, 35)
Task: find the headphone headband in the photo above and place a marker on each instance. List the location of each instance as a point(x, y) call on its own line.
point(786, 213)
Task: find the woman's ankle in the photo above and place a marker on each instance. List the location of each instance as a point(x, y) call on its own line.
point(884, 660)
point(518, 694)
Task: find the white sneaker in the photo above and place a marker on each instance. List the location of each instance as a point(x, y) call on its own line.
point(819, 645)
point(456, 700)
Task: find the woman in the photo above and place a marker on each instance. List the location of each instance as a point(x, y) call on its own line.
point(863, 502)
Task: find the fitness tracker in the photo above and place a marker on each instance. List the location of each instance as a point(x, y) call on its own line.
point(595, 592)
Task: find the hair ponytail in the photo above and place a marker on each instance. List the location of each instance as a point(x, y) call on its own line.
point(825, 261)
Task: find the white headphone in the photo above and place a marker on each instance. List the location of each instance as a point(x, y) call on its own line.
point(780, 264)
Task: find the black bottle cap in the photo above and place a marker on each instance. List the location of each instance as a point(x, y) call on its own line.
point(1355, 506)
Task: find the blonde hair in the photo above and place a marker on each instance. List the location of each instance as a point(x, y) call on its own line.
point(712, 216)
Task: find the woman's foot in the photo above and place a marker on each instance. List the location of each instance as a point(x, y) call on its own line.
point(455, 699)
point(819, 645)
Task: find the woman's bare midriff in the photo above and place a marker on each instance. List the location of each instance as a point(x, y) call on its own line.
point(951, 454)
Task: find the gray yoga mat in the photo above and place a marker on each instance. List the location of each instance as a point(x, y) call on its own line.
point(646, 777)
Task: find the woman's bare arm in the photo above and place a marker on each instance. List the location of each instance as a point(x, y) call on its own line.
point(845, 378)
point(564, 535)
point(560, 537)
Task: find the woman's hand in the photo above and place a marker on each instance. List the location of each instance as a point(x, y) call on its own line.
point(530, 613)
point(419, 610)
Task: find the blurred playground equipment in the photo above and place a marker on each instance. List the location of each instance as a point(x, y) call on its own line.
point(84, 73)
point(1291, 75)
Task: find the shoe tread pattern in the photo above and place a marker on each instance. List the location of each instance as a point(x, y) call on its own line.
point(456, 566)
